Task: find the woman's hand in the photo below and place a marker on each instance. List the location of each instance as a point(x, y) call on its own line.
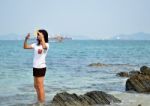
point(28, 36)
point(26, 46)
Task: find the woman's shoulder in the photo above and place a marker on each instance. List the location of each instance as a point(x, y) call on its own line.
point(47, 43)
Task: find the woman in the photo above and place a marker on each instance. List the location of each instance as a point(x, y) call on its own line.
point(39, 63)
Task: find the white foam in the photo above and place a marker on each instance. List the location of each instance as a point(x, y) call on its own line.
point(132, 99)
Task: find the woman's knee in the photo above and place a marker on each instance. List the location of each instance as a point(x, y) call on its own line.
point(39, 83)
point(39, 86)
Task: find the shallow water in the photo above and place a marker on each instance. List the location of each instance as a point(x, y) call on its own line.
point(68, 69)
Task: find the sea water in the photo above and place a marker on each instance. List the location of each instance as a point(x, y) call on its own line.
point(68, 70)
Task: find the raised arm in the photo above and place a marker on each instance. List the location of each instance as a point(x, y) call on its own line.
point(26, 46)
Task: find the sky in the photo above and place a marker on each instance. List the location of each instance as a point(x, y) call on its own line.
point(75, 18)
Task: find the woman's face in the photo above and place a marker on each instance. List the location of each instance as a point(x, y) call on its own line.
point(39, 36)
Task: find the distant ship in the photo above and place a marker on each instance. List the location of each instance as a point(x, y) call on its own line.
point(59, 38)
point(56, 38)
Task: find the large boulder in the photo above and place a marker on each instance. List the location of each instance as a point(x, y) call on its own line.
point(139, 83)
point(88, 99)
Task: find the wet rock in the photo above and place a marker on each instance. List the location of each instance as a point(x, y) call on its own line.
point(88, 99)
point(107, 65)
point(123, 74)
point(128, 74)
point(133, 73)
point(97, 65)
point(145, 70)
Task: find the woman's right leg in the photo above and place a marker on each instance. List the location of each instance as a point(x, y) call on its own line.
point(39, 86)
point(36, 87)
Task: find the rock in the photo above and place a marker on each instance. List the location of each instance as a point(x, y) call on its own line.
point(106, 65)
point(132, 73)
point(139, 83)
point(88, 99)
point(145, 70)
point(128, 74)
point(123, 74)
point(97, 65)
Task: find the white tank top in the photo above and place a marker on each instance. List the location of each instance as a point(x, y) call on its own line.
point(39, 55)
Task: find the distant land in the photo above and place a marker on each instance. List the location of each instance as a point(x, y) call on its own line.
point(134, 36)
point(12, 36)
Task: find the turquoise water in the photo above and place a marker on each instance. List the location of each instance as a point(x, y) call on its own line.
point(68, 70)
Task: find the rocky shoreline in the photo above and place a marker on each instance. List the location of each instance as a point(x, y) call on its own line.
point(138, 81)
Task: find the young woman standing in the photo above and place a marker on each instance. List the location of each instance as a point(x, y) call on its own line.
point(39, 63)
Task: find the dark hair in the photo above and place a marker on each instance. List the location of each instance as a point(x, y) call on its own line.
point(45, 34)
